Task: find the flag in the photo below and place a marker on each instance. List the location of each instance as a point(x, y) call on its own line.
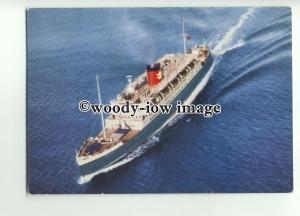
point(188, 37)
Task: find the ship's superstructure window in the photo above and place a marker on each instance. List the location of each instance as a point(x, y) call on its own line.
point(160, 83)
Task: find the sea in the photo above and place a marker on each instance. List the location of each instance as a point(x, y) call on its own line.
point(246, 148)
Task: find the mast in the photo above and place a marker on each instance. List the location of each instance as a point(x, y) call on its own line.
point(100, 102)
point(184, 37)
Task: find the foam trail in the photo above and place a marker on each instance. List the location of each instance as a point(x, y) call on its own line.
point(221, 45)
point(240, 43)
point(175, 120)
point(136, 153)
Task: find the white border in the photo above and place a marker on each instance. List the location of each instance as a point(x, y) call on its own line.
point(14, 200)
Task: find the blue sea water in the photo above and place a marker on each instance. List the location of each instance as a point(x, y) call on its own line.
point(246, 148)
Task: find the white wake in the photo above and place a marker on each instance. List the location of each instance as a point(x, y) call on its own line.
point(223, 45)
point(136, 153)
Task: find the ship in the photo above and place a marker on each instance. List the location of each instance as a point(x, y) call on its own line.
point(172, 78)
